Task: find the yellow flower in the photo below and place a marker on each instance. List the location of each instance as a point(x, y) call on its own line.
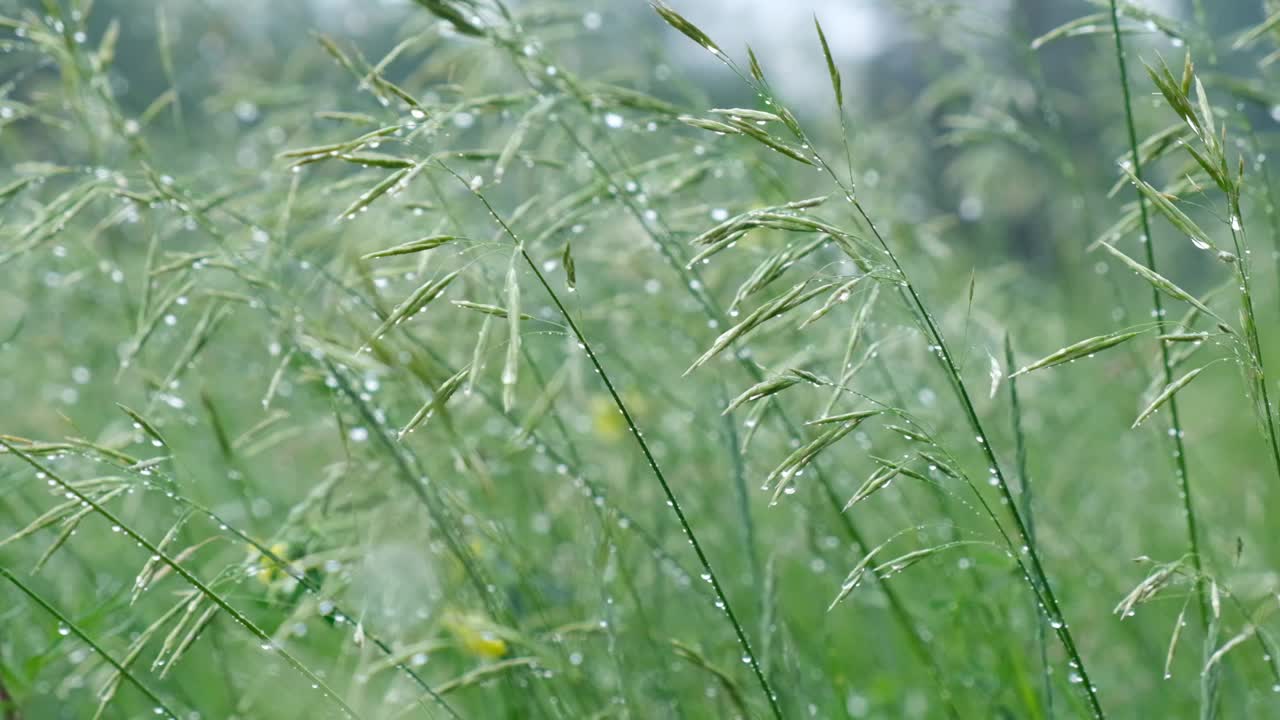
point(269, 570)
point(475, 634)
point(605, 418)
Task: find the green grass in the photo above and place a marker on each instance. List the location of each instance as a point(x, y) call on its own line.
point(449, 359)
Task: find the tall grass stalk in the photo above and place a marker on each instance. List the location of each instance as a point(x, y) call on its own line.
point(709, 575)
point(1158, 311)
point(1256, 366)
point(1025, 495)
point(1032, 569)
point(660, 233)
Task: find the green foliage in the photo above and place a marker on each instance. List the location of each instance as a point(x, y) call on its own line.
point(450, 359)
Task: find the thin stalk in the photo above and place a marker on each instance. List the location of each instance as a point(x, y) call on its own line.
point(76, 630)
point(1179, 451)
point(740, 488)
point(1268, 199)
point(1024, 493)
point(1251, 327)
point(722, 599)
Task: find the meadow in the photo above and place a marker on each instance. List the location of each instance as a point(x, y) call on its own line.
point(463, 359)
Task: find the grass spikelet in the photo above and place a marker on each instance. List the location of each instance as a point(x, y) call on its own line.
point(436, 403)
point(840, 295)
point(1165, 394)
point(490, 310)
point(1176, 217)
point(844, 417)
point(784, 474)
point(511, 366)
point(414, 304)
point(714, 126)
point(1158, 281)
point(484, 673)
point(832, 70)
point(879, 480)
point(855, 576)
point(1083, 349)
point(144, 425)
point(691, 31)
point(1158, 580)
point(793, 298)
point(759, 116)
point(1231, 644)
point(69, 526)
point(414, 246)
point(760, 390)
point(1083, 25)
point(369, 196)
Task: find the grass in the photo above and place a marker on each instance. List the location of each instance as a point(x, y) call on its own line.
point(461, 360)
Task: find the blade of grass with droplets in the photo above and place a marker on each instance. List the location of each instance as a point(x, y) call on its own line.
point(1025, 497)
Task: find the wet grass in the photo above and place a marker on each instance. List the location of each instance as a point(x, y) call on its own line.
point(490, 362)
